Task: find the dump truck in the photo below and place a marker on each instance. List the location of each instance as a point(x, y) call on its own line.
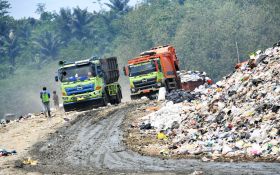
point(151, 70)
point(90, 82)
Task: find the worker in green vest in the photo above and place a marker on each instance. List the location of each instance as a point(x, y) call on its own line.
point(45, 97)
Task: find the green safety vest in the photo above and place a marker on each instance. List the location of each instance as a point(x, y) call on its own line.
point(45, 97)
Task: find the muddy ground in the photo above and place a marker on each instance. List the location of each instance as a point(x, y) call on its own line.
point(93, 143)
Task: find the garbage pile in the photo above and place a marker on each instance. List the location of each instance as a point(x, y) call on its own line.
point(236, 118)
point(179, 95)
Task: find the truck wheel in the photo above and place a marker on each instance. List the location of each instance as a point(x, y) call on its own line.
point(118, 98)
point(104, 100)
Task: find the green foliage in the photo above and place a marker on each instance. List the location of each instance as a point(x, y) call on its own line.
point(119, 6)
point(63, 23)
point(48, 44)
point(81, 23)
point(4, 6)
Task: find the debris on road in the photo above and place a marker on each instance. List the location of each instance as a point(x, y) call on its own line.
point(29, 161)
point(4, 152)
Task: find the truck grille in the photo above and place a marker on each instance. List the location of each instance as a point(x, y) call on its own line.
point(80, 89)
point(145, 83)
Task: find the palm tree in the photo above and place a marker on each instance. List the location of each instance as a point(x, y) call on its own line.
point(12, 47)
point(64, 21)
point(24, 31)
point(118, 6)
point(48, 44)
point(181, 2)
point(81, 23)
point(4, 6)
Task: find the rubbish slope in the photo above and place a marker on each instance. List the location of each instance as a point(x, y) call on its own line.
point(92, 144)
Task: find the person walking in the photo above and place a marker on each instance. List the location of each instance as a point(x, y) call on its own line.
point(55, 100)
point(45, 97)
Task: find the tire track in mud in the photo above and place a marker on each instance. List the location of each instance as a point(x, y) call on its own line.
point(90, 147)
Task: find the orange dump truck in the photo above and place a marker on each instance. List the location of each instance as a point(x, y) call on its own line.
point(151, 70)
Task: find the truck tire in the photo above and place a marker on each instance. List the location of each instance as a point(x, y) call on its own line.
point(104, 99)
point(118, 98)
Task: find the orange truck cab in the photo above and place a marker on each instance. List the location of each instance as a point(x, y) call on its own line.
point(151, 70)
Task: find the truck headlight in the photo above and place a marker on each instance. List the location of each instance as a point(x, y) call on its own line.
point(159, 84)
point(133, 90)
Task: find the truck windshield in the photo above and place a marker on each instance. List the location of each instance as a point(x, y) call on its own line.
point(140, 69)
point(75, 73)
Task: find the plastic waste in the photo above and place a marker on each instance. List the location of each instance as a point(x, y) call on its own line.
point(161, 94)
point(161, 136)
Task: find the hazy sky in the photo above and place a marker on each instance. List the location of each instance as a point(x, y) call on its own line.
point(27, 8)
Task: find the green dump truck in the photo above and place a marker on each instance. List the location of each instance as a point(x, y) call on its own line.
point(91, 82)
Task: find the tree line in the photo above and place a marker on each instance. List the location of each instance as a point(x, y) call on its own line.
point(204, 32)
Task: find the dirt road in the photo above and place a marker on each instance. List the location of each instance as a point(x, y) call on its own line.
point(92, 144)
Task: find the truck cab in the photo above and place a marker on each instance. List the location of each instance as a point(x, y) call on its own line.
point(151, 70)
point(86, 82)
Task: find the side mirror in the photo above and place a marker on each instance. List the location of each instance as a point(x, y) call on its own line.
point(126, 70)
point(56, 78)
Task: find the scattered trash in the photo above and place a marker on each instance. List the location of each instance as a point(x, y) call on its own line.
point(161, 136)
point(3, 121)
point(164, 152)
point(161, 94)
point(4, 152)
point(193, 79)
point(29, 161)
point(144, 126)
point(152, 108)
point(66, 119)
point(205, 159)
point(197, 173)
point(187, 76)
point(144, 98)
point(175, 125)
point(179, 95)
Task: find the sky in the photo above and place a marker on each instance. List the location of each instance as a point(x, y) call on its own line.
point(27, 8)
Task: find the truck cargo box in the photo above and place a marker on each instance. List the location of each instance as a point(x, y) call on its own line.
point(110, 68)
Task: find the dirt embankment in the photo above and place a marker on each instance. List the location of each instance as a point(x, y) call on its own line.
point(92, 143)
